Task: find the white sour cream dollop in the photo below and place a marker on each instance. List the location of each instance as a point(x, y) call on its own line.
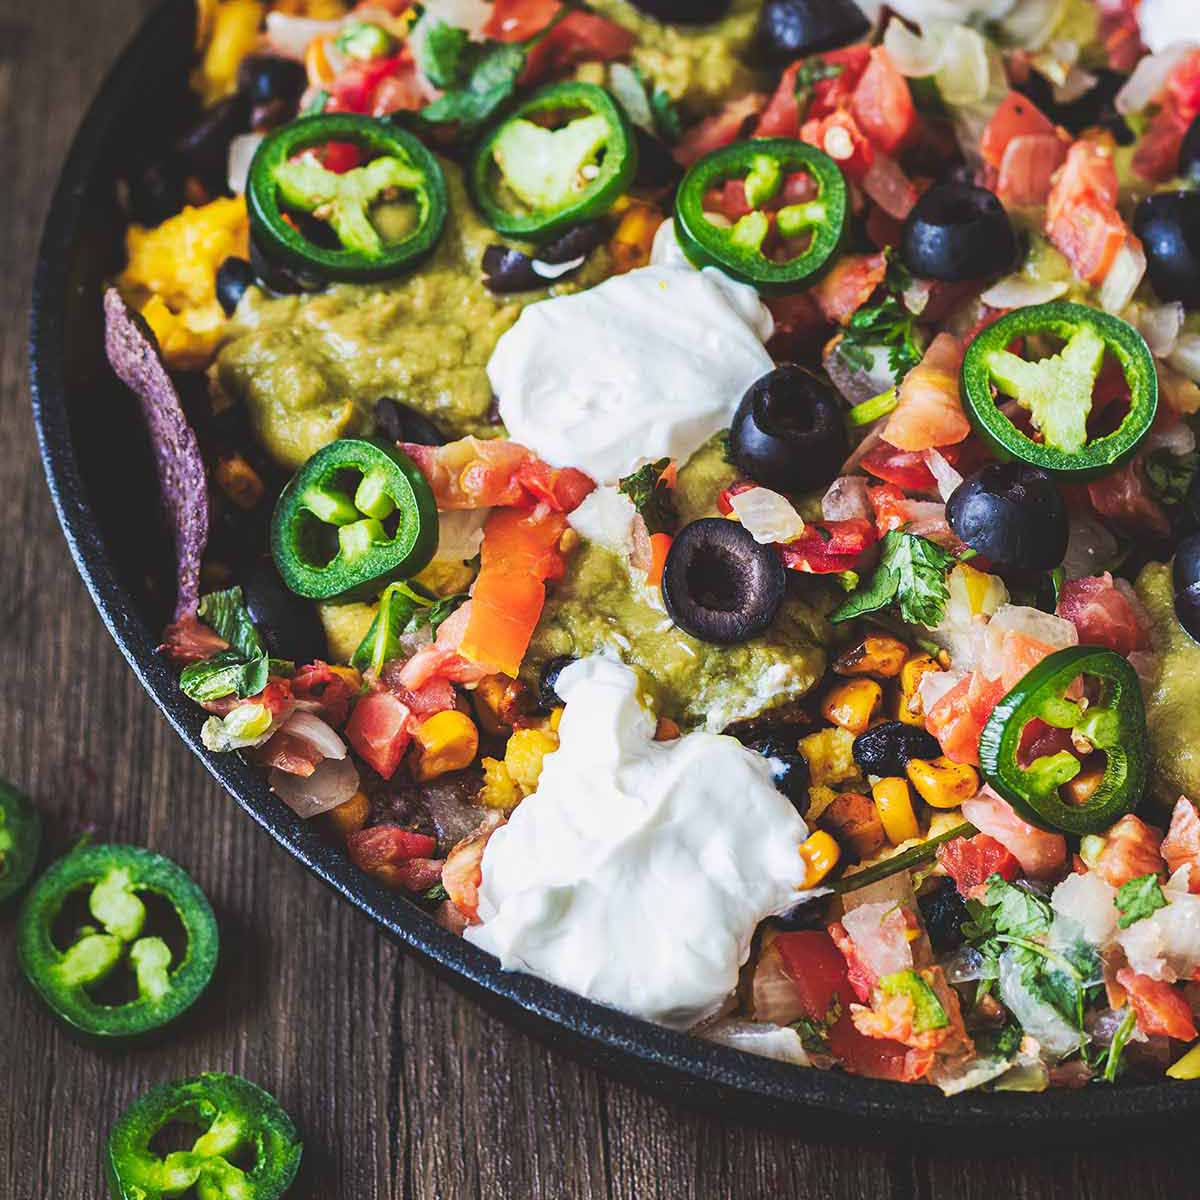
point(1165, 23)
point(638, 870)
point(646, 365)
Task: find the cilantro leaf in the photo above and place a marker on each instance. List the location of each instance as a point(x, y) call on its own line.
point(1170, 475)
point(402, 609)
point(1138, 899)
point(651, 496)
point(225, 674)
point(440, 53)
point(911, 573)
point(489, 77)
point(1017, 911)
point(887, 325)
point(814, 1032)
point(436, 893)
point(666, 116)
point(227, 615)
point(813, 71)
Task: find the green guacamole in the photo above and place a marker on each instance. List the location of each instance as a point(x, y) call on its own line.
point(310, 368)
point(699, 66)
point(1173, 703)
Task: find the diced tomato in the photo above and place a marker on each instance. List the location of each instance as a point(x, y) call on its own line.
point(798, 324)
point(1103, 614)
point(849, 285)
point(781, 118)
point(442, 661)
point(862, 978)
point(929, 412)
point(473, 473)
point(578, 37)
point(839, 136)
point(1157, 155)
point(519, 553)
point(396, 857)
point(1015, 116)
point(972, 861)
point(519, 20)
point(360, 88)
point(1162, 1010)
point(340, 157)
point(288, 753)
point(882, 104)
point(721, 129)
point(1123, 496)
point(378, 731)
point(189, 640)
point(829, 547)
point(463, 870)
point(958, 718)
point(318, 683)
point(1028, 166)
point(1040, 853)
point(905, 469)
point(1131, 849)
point(1181, 846)
point(660, 547)
point(827, 95)
point(1082, 220)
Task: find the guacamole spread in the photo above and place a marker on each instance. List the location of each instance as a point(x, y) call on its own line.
point(309, 368)
point(1174, 699)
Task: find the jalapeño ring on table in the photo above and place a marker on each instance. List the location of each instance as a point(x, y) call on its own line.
point(763, 165)
point(1057, 391)
point(357, 516)
point(283, 180)
point(20, 840)
point(1114, 724)
point(531, 181)
point(238, 1119)
point(115, 877)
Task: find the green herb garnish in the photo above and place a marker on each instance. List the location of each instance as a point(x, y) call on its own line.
point(912, 574)
point(1138, 899)
point(651, 496)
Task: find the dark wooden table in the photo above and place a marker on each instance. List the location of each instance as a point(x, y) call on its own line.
point(400, 1087)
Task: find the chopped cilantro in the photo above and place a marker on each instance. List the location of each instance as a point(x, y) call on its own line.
point(1170, 475)
point(886, 325)
point(1124, 1031)
point(666, 116)
point(227, 615)
point(1138, 899)
point(813, 71)
point(487, 77)
point(244, 668)
point(436, 894)
point(911, 573)
point(651, 496)
point(814, 1032)
point(441, 51)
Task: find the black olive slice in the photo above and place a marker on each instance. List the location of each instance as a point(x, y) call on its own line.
point(398, 423)
point(791, 29)
point(1169, 226)
point(885, 749)
point(234, 276)
point(957, 232)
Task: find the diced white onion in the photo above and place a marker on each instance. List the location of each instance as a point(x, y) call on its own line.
point(965, 74)
point(1160, 325)
point(1031, 22)
point(1123, 278)
point(755, 1037)
point(317, 733)
point(1176, 438)
point(460, 533)
point(241, 154)
point(1166, 23)
point(877, 937)
point(1015, 291)
point(332, 783)
point(935, 684)
point(1052, 631)
point(947, 477)
point(289, 36)
point(1078, 83)
point(1185, 358)
point(767, 516)
point(886, 183)
point(846, 498)
point(1149, 78)
point(1090, 547)
point(631, 95)
point(914, 55)
point(773, 995)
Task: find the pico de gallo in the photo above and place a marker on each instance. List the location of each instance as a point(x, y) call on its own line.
point(702, 499)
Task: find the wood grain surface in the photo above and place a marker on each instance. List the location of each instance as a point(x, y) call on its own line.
point(400, 1087)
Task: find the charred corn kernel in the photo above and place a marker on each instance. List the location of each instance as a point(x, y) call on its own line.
point(942, 783)
point(819, 799)
point(494, 703)
point(499, 788)
point(852, 704)
point(820, 854)
point(350, 817)
point(893, 802)
point(234, 33)
point(877, 654)
point(1187, 1067)
point(666, 730)
point(1084, 786)
point(634, 236)
point(316, 63)
point(447, 741)
point(239, 481)
point(524, 754)
point(909, 708)
point(830, 756)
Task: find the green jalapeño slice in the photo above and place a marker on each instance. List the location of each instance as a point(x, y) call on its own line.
point(357, 516)
point(115, 880)
point(246, 1146)
point(564, 156)
point(1057, 391)
point(286, 182)
point(1114, 724)
point(20, 839)
point(776, 246)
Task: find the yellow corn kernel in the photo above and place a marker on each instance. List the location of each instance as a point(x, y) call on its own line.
point(852, 704)
point(909, 708)
point(820, 854)
point(893, 802)
point(877, 654)
point(830, 756)
point(234, 34)
point(524, 754)
point(447, 741)
point(819, 799)
point(942, 783)
point(556, 716)
point(349, 817)
point(634, 236)
point(316, 63)
point(239, 481)
point(1188, 1067)
point(499, 788)
point(445, 577)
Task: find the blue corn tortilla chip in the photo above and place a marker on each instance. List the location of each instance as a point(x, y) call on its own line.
point(133, 353)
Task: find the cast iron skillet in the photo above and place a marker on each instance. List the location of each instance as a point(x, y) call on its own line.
point(100, 475)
